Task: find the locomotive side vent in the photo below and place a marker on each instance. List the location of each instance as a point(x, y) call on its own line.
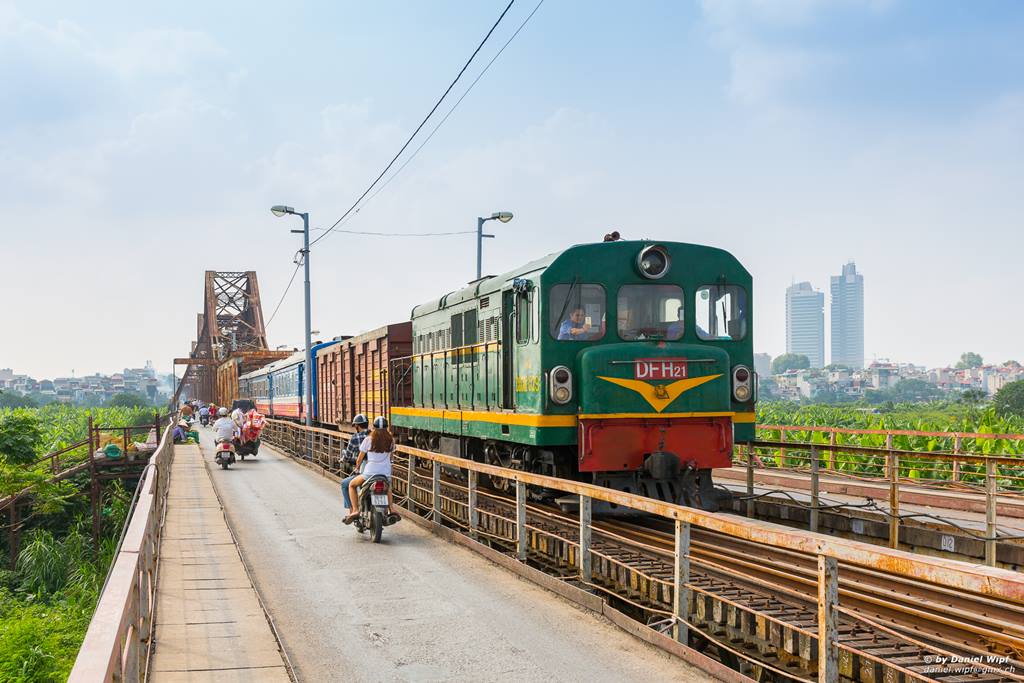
point(485, 302)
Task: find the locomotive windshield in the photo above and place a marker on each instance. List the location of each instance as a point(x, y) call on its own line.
point(721, 312)
point(577, 312)
point(650, 312)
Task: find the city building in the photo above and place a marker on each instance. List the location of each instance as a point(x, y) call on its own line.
point(847, 318)
point(763, 364)
point(805, 323)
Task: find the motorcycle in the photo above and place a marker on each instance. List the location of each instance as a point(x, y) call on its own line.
point(225, 453)
point(244, 448)
point(204, 419)
point(374, 513)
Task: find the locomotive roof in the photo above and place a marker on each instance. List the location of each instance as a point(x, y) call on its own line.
point(491, 283)
point(485, 285)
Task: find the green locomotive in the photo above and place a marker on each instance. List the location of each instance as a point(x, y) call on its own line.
point(624, 363)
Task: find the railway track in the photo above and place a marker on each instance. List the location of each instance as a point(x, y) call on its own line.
point(756, 605)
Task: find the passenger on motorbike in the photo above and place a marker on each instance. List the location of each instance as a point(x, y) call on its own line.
point(224, 427)
point(376, 450)
point(352, 455)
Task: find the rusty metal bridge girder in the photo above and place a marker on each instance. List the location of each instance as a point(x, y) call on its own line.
point(231, 322)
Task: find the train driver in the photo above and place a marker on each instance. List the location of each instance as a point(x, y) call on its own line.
point(576, 327)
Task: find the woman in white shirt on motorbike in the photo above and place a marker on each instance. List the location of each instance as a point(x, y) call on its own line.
point(376, 450)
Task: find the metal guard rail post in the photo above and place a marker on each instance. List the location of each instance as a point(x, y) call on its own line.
point(117, 644)
point(830, 551)
point(891, 477)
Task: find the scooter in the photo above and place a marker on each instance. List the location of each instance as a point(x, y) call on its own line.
point(225, 454)
point(244, 448)
point(204, 419)
point(374, 513)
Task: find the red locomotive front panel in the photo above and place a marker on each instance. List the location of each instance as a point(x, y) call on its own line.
point(625, 443)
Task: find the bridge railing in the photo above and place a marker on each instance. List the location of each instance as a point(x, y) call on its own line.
point(898, 475)
point(423, 492)
point(117, 644)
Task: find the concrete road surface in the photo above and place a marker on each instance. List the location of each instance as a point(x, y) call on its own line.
point(413, 608)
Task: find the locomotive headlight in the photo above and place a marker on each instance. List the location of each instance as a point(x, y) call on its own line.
point(653, 262)
point(561, 385)
point(742, 383)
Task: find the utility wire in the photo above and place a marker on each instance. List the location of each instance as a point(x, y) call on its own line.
point(419, 127)
point(295, 272)
point(396, 235)
point(454, 106)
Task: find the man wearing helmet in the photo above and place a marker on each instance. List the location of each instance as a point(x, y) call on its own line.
point(224, 426)
point(361, 425)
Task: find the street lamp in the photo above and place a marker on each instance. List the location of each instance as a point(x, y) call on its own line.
point(280, 210)
point(504, 217)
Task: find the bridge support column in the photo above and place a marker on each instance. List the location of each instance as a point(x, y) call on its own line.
point(828, 619)
point(435, 499)
point(521, 540)
point(472, 515)
point(585, 561)
point(990, 513)
point(681, 579)
point(815, 489)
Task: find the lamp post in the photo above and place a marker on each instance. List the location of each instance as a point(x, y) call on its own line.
point(279, 211)
point(504, 217)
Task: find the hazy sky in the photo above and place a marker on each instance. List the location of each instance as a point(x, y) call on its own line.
point(143, 143)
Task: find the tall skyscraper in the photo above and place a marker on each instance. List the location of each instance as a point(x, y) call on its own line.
point(848, 317)
point(805, 323)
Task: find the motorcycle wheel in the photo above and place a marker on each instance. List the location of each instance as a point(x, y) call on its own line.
point(376, 526)
point(224, 465)
point(242, 456)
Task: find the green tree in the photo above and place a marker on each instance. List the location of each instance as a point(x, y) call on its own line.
point(969, 359)
point(128, 399)
point(790, 361)
point(1009, 400)
point(9, 399)
point(19, 434)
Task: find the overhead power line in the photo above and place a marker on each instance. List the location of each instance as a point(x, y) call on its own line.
point(400, 234)
point(419, 127)
point(453, 108)
point(280, 301)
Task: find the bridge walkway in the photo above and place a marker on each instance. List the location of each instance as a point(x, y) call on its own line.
point(209, 625)
point(414, 607)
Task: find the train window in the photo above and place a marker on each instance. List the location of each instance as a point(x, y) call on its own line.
point(469, 328)
point(721, 312)
point(523, 317)
point(577, 312)
point(650, 312)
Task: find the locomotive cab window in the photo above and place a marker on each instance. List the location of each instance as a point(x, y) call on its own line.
point(650, 312)
point(577, 312)
point(523, 317)
point(721, 312)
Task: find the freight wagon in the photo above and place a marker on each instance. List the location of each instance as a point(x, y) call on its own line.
point(352, 376)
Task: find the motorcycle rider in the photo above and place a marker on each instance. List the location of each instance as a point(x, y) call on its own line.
point(224, 427)
point(361, 425)
point(204, 415)
point(376, 450)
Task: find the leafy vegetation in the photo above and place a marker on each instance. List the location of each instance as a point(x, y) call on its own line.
point(969, 359)
point(47, 599)
point(1009, 400)
point(790, 361)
